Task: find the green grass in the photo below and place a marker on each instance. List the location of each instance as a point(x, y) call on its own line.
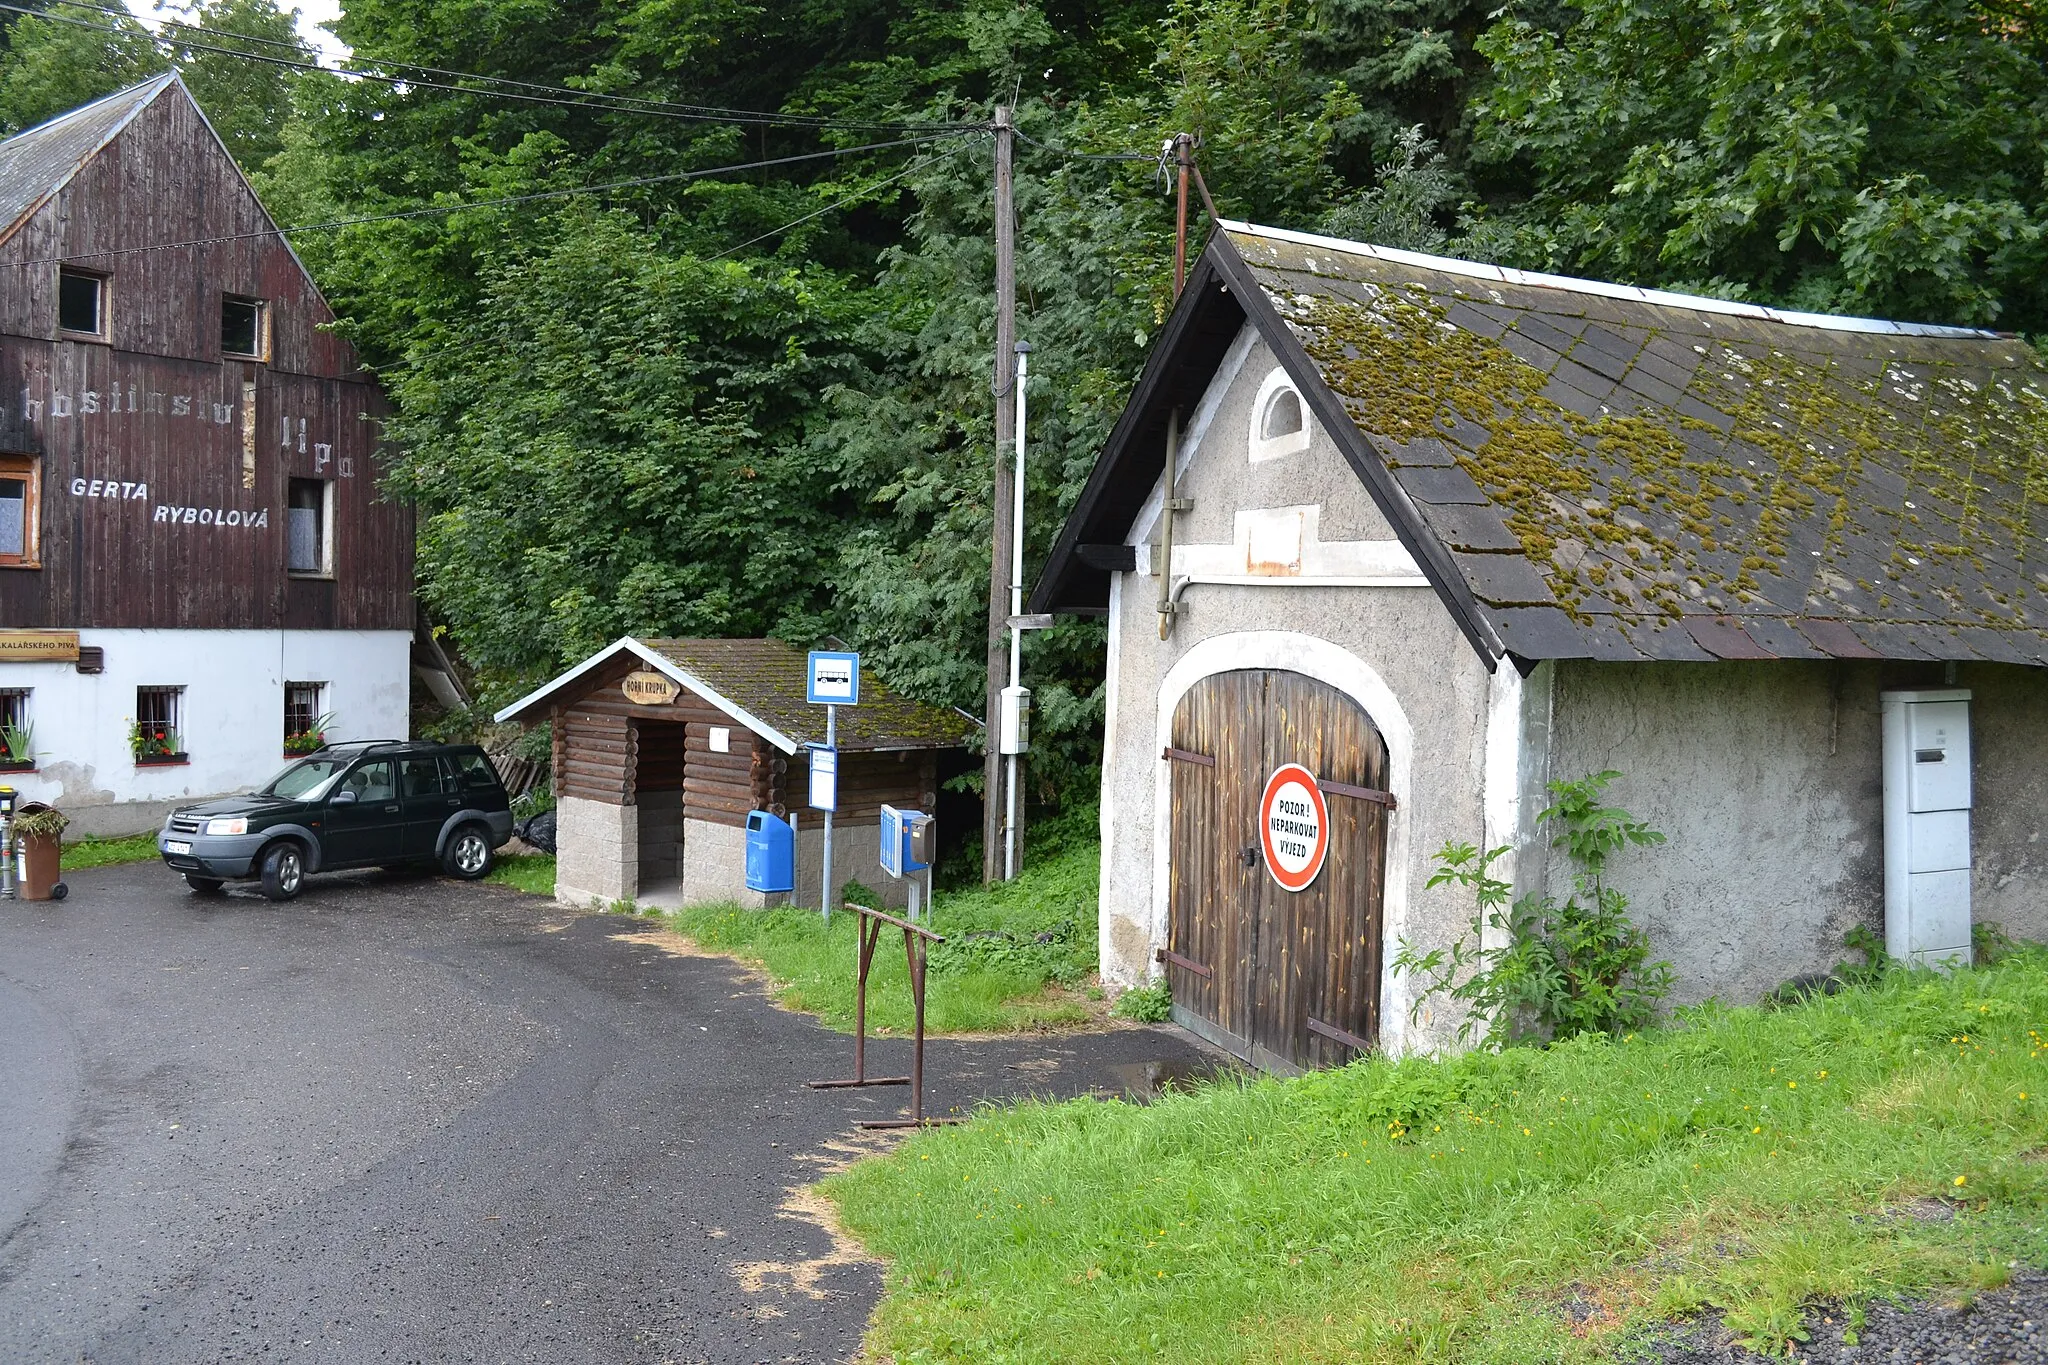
point(991, 976)
point(1752, 1161)
point(533, 873)
point(136, 848)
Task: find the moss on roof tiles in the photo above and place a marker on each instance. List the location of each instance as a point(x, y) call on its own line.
point(1800, 471)
point(767, 679)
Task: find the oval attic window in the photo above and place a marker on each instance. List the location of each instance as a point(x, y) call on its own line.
point(1280, 425)
point(1283, 415)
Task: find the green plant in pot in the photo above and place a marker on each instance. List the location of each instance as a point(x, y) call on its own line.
point(17, 745)
point(153, 741)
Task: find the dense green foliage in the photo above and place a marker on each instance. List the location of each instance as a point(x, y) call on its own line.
point(1526, 1205)
point(758, 400)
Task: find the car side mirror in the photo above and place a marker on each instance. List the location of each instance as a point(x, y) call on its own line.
point(343, 798)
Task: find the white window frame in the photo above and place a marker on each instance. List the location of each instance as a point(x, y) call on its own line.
point(326, 569)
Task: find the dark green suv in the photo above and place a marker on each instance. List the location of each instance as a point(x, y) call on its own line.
point(347, 806)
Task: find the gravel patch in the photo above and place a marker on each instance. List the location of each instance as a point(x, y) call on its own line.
point(2006, 1326)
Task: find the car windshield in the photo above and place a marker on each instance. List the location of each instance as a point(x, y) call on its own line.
point(308, 779)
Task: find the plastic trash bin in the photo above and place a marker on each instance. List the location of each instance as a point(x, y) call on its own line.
point(771, 852)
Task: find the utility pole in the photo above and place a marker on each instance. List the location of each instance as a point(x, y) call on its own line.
point(1180, 234)
point(1003, 539)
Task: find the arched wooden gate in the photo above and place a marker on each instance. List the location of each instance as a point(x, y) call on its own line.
point(1284, 978)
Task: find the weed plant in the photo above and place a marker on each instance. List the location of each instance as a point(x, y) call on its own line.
point(1881, 1140)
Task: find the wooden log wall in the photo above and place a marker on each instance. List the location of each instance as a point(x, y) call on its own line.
point(906, 779)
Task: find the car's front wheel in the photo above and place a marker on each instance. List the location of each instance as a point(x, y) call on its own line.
point(205, 886)
point(284, 870)
point(469, 854)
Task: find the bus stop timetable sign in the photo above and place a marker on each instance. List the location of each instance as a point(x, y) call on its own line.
point(834, 679)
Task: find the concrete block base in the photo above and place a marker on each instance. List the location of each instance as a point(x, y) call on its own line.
point(598, 857)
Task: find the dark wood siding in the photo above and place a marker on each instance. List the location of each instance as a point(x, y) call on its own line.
point(172, 424)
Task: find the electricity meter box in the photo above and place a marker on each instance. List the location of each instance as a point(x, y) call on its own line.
point(1927, 826)
point(771, 852)
point(1014, 723)
point(908, 839)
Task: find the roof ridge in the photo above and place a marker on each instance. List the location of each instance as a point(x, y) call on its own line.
point(160, 80)
point(1451, 265)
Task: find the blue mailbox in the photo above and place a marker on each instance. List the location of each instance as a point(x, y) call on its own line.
point(771, 852)
point(906, 841)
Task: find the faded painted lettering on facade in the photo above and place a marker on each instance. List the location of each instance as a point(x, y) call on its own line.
point(212, 516)
point(109, 488)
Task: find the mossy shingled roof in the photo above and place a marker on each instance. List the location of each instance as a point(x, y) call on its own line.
point(767, 678)
point(1619, 473)
point(760, 683)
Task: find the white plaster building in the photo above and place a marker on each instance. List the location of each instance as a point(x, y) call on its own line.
point(1441, 533)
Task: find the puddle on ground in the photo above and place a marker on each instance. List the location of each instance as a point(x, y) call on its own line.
point(1147, 1081)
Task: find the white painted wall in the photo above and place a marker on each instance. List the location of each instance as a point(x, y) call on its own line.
point(233, 713)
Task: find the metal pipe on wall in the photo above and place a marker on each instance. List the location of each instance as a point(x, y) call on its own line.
point(1010, 850)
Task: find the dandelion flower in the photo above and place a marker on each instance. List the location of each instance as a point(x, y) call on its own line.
point(1962, 1180)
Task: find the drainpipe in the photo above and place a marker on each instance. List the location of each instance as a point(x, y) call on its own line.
point(1172, 503)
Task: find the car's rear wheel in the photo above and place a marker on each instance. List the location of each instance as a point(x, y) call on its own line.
point(284, 870)
point(469, 854)
point(206, 886)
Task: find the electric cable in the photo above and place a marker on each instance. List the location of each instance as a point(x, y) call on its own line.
point(534, 197)
point(842, 202)
point(1084, 156)
point(583, 99)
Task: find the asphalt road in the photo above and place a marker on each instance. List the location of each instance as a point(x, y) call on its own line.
point(409, 1120)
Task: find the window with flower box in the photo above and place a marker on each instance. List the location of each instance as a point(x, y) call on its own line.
point(157, 734)
point(305, 720)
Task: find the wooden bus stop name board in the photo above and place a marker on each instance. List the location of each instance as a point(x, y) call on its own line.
point(648, 688)
point(38, 646)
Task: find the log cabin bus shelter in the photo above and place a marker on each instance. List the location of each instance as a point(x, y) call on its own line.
point(662, 748)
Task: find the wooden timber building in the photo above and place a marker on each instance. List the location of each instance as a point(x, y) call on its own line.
point(663, 747)
point(194, 561)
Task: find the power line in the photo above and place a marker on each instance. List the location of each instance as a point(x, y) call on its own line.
point(583, 99)
point(1085, 156)
point(535, 197)
point(841, 202)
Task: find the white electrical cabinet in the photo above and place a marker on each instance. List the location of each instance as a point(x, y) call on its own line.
point(1014, 732)
point(1927, 826)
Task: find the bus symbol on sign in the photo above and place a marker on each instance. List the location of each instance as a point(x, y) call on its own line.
point(834, 679)
point(1294, 826)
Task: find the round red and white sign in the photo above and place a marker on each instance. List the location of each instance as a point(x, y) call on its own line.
point(1294, 826)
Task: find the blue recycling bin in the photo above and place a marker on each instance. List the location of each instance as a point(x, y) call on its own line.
point(771, 852)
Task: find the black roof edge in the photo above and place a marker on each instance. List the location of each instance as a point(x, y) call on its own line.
point(1430, 553)
point(1135, 453)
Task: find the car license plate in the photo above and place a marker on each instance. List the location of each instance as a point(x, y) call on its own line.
point(176, 846)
